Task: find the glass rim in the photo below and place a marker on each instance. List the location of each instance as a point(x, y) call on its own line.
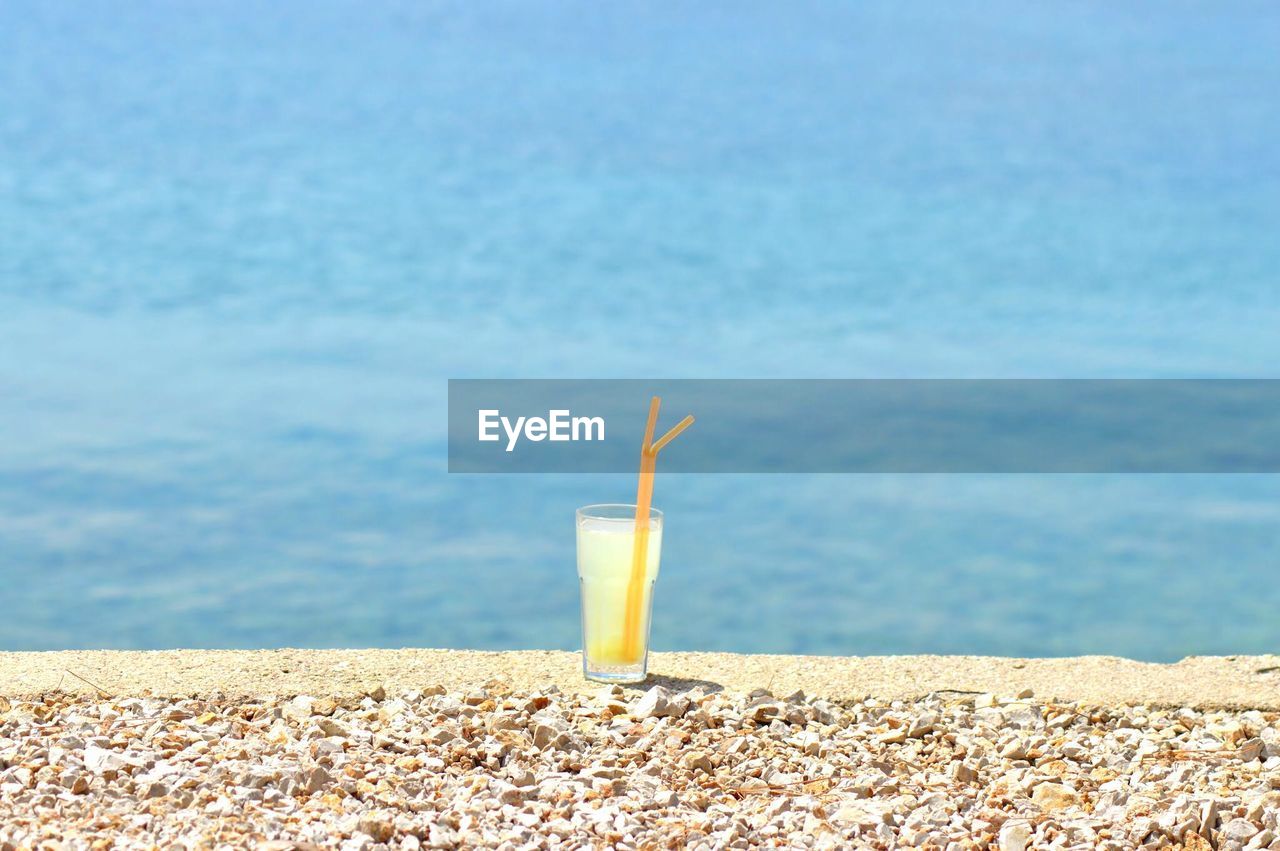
point(615, 511)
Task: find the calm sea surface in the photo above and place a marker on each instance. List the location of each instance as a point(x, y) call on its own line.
point(242, 246)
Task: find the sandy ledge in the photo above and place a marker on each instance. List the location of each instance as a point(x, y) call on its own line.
point(1204, 682)
point(402, 750)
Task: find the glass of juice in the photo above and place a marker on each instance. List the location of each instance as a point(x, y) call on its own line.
point(615, 649)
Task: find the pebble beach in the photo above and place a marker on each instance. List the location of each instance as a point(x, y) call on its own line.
point(502, 765)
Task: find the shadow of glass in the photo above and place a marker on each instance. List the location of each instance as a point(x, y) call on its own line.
point(676, 685)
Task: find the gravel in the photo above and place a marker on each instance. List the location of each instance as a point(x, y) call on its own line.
point(519, 768)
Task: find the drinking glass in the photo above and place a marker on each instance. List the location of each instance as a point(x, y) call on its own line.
point(606, 541)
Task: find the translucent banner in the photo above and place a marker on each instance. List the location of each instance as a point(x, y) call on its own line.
point(869, 426)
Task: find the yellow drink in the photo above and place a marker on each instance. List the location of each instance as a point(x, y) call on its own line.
point(606, 540)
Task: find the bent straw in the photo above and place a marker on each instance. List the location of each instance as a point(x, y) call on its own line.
point(644, 500)
point(672, 435)
point(640, 539)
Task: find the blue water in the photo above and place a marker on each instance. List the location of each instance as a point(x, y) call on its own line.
point(243, 245)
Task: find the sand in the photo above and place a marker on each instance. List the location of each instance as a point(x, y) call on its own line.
point(1203, 682)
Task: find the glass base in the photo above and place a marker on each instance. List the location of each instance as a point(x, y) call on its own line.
point(619, 674)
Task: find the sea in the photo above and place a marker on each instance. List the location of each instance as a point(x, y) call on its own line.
point(243, 247)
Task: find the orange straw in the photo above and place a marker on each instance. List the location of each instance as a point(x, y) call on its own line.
point(644, 500)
